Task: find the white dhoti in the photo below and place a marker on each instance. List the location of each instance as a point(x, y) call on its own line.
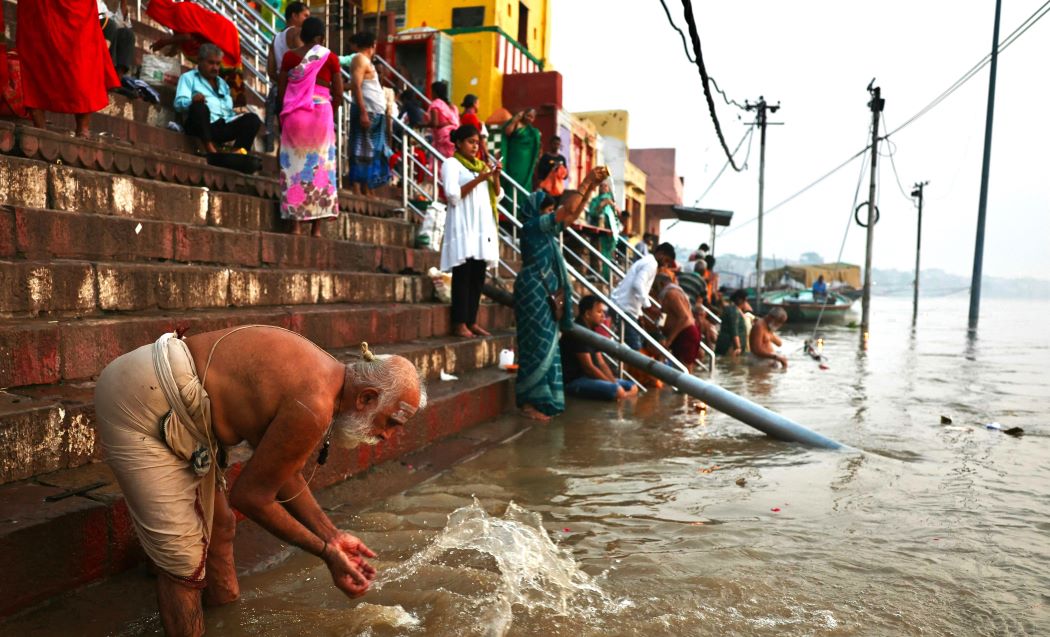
point(154, 418)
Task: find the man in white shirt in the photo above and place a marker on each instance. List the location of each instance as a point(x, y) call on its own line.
point(632, 295)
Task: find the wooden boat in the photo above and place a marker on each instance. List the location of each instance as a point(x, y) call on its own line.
point(802, 307)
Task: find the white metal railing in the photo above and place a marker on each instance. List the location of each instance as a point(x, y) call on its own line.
point(256, 34)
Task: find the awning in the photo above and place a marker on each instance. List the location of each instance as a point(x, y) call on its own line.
point(708, 216)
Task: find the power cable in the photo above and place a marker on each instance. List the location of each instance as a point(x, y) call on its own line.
point(1037, 15)
point(681, 34)
point(891, 150)
point(705, 80)
point(728, 101)
point(747, 136)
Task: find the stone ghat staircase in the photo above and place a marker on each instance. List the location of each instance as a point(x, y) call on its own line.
point(105, 244)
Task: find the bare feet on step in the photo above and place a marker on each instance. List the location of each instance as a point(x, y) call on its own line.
point(480, 331)
point(462, 331)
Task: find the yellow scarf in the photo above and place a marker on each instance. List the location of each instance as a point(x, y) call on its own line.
point(478, 166)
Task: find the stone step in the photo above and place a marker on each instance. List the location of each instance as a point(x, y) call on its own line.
point(84, 288)
point(42, 351)
point(50, 234)
point(51, 547)
point(28, 183)
point(44, 428)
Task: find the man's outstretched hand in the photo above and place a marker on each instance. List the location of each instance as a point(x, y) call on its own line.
point(351, 572)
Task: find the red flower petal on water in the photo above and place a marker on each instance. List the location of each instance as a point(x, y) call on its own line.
point(565, 530)
point(775, 509)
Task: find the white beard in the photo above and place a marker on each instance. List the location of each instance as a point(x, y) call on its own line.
point(353, 429)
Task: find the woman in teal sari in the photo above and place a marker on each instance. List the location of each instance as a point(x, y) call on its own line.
point(520, 151)
point(602, 213)
point(539, 389)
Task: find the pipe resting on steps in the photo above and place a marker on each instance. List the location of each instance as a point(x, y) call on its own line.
point(742, 409)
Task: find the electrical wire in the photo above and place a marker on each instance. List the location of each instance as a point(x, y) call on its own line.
point(891, 150)
point(681, 34)
point(1037, 15)
point(695, 37)
point(728, 101)
point(747, 136)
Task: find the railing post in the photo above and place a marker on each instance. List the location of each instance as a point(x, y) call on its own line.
point(434, 175)
point(623, 340)
point(404, 175)
point(514, 212)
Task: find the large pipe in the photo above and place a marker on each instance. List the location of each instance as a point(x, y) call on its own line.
point(747, 412)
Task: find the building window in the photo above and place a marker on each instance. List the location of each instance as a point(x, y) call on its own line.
point(468, 17)
point(523, 25)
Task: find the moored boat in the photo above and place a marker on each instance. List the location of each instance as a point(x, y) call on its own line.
point(802, 307)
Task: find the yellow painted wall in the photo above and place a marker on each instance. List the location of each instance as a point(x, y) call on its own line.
point(474, 71)
point(609, 123)
point(499, 13)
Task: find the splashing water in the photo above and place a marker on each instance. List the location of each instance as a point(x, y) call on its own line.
point(534, 574)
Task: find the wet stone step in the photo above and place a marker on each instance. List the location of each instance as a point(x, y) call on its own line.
point(45, 351)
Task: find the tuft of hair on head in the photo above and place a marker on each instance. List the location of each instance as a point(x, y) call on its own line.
point(363, 39)
point(705, 247)
point(738, 296)
point(293, 9)
point(710, 262)
point(312, 29)
point(392, 376)
point(208, 50)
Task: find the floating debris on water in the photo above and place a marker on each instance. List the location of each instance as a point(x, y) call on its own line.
point(946, 420)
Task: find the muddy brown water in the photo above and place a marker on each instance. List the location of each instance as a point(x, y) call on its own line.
point(649, 518)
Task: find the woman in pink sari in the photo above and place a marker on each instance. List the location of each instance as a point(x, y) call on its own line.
point(443, 118)
point(310, 90)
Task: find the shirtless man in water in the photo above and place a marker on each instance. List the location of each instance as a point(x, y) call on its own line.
point(164, 430)
point(763, 336)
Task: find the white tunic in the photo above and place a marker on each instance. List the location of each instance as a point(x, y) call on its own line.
point(470, 227)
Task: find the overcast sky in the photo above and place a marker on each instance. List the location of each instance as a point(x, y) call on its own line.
point(816, 58)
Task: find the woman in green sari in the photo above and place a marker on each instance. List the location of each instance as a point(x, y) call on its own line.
point(521, 151)
point(602, 213)
point(539, 390)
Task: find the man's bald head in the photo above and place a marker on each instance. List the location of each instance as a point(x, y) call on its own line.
point(379, 394)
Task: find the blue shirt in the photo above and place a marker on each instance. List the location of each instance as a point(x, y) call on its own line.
point(220, 104)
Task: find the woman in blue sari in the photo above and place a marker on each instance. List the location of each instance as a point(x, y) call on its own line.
point(542, 279)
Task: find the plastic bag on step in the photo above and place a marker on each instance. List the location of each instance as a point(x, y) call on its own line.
point(442, 285)
point(432, 230)
point(159, 70)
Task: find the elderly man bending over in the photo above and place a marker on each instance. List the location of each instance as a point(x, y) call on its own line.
point(204, 99)
point(167, 411)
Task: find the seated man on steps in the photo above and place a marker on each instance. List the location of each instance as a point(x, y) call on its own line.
point(165, 429)
point(585, 372)
point(204, 99)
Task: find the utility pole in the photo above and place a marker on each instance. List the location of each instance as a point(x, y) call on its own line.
point(761, 121)
point(876, 105)
point(917, 193)
point(982, 206)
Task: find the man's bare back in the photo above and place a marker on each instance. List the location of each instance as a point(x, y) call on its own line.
point(260, 371)
point(763, 340)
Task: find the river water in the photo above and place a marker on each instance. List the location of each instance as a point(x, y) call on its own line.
point(651, 518)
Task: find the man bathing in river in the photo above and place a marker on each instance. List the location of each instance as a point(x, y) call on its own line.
point(164, 430)
point(763, 336)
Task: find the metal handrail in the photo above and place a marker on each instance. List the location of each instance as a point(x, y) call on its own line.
point(404, 80)
point(256, 46)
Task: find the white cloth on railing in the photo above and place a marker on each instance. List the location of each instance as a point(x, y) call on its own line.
point(632, 295)
point(470, 225)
